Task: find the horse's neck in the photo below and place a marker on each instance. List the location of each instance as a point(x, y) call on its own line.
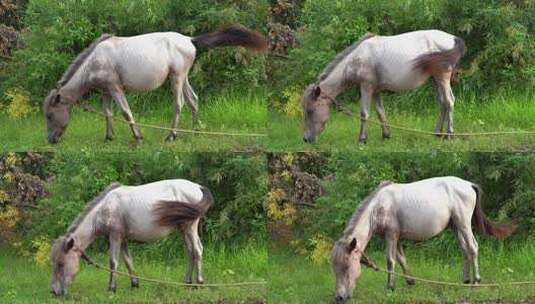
point(85, 233)
point(362, 230)
point(333, 84)
point(76, 86)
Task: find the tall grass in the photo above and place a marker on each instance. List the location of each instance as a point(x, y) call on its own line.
point(238, 113)
point(416, 110)
point(315, 284)
point(21, 281)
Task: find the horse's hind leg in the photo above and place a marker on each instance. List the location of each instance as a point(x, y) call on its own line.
point(108, 112)
point(118, 95)
point(188, 239)
point(400, 256)
point(447, 100)
point(129, 264)
point(193, 101)
point(177, 82)
point(466, 257)
point(442, 115)
point(197, 251)
point(473, 251)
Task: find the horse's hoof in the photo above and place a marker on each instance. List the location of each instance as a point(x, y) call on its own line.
point(386, 136)
point(170, 138)
point(477, 281)
point(112, 289)
point(466, 282)
point(108, 139)
point(362, 141)
point(135, 283)
point(411, 282)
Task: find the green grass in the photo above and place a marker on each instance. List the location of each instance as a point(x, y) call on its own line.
point(86, 131)
point(22, 281)
point(341, 131)
point(310, 283)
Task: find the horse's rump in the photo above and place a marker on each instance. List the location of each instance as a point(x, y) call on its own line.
point(232, 35)
point(175, 213)
point(437, 63)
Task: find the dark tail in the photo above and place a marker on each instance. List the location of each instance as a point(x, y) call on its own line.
point(175, 213)
point(232, 35)
point(479, 219)
point(438, 62)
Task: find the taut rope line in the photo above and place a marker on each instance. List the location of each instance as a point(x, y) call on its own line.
point(90, 109)
point(372, 265)
point(156, 281)
point(418, 131)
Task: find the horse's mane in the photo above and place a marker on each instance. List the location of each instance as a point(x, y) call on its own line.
point(79, 60)
point(341, 56)
point(355, 218)
point(90, 206)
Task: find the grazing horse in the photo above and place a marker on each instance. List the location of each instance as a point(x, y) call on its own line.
point(415, 211)
point(115, 65)
point(377, 63)
point(144, 213)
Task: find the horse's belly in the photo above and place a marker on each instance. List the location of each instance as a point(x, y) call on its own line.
point(423, 224)
point(149, 233)
point(142, 72)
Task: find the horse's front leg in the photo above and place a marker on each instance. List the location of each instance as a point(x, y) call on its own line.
point(400, 257)
point(129, 264)
point(108, 112)
point(177, 83)
point(391, 251)
point(381, 114)
point(366, 93)
point(118, 95)
point(115, 250)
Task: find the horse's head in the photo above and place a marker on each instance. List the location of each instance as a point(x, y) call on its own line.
point(345, 261)
point(57, 112)
point(65, 265)
point(316, 111)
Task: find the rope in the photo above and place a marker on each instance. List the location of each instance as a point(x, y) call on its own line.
point(91, 110)
point(371, 264)
point(418, 131)
point(156, 281)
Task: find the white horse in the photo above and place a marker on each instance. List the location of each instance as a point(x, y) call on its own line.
point(115, 65)
point(144, 213)
point(377, 63)
point(415, 211)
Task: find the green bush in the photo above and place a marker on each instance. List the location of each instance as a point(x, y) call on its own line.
point(507, 181)
point(59, 30)
point(500, 38)
point(237, 182)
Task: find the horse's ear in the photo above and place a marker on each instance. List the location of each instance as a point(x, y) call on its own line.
point(317, 91)
point(56, 99)
point(68, 245)
point(352, 245)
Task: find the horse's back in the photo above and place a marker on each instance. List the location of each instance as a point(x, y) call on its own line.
point(143, 62)
point(135, 204)
point(424, 208)
point(394, 56)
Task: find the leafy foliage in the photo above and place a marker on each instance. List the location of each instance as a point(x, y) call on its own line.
point(59, 30)
point(236, 180)
point(507, 181)
point(499, 37)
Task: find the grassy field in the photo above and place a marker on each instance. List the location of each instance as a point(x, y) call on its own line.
point(310, 283)
point(341, 131)
point(243, 114)
point(22, 281)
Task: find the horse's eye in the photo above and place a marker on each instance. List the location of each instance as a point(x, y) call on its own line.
point(49, 116)
point(310, 112)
